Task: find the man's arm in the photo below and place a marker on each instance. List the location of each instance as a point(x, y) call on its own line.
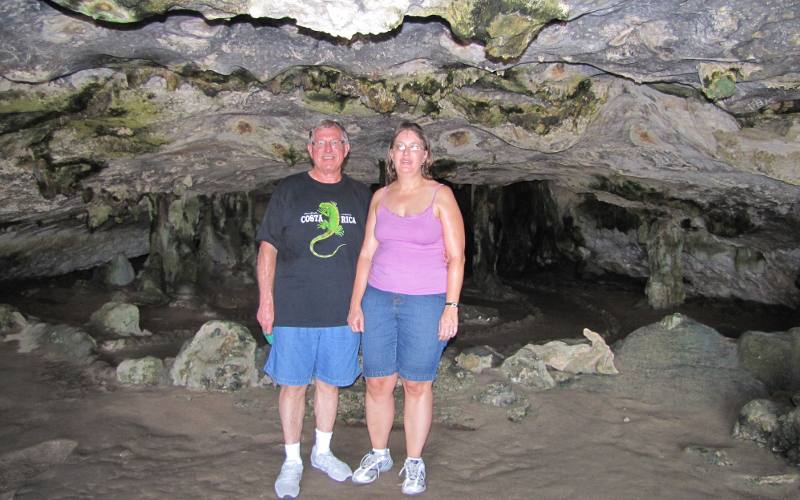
point(265, 274)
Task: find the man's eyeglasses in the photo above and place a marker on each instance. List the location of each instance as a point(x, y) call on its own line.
point(400, 147)
point(333, 143)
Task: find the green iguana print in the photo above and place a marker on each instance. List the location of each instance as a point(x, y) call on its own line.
point(330, 223)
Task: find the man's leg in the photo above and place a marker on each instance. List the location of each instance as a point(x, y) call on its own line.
point(326, 400)
point(291, 407)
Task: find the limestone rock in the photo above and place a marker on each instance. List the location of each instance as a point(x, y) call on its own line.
point(578, 358)
point(711, 455)
point(56, 341)
point(118, 272)
point(477, 359)
point(770, 356)
point(220, 357)
point(143, 371)
point(758, 421)
point(786, 439)
point(18, 466)
point(117, 319)
point(451, 378)
point(10, 319)
point(684, 358)
point(527, 368)
point(498, 394)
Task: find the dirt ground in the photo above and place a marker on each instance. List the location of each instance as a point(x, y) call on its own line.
point(63, 435)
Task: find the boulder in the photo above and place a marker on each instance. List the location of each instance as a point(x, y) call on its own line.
point(786, 439)
point(143, 371)
point(117, 319)
point(499, 394)
point(59, 342)
point(479, 358)
point(220, 357)
point(683, 360)
point(578, 358)
point(770, 357)
point(527, 368)
point(118, 272)
point(758, 420)
point(10, 319)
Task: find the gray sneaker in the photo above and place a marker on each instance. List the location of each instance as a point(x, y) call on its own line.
point(414, 482)
point(371, 467)
point(288, 482)
point(330, 465)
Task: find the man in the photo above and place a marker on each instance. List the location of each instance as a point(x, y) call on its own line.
point(310, 238)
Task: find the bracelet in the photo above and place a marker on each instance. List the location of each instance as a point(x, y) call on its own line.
point(451, 304)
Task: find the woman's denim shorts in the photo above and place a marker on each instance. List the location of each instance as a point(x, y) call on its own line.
point(401, 334)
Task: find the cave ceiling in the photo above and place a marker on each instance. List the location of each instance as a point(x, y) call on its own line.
point(107, 100)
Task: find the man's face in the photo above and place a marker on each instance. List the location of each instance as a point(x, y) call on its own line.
point(326, 157)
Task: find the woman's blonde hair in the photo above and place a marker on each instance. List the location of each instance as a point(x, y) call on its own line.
point(391, 172)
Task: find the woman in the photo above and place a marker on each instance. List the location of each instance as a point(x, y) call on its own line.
point(405, 300)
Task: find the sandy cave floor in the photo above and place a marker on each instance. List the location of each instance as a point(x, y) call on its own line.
point(579, 441)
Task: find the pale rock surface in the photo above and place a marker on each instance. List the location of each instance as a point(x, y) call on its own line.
point(479, 358)
point(142, 371)
point(220, 357)
point(60, 342)
point(118, 319)
point(758, 420)
point(118, 272)
point(578, 358)
point(527, 368)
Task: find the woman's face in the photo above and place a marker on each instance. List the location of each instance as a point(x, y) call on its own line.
point(408, 153)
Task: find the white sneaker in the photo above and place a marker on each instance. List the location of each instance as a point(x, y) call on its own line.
point(330, 465)
point(371, 467)
point(288, 482)
point(414, 483)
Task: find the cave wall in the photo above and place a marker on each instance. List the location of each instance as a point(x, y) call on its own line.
point(666, 131)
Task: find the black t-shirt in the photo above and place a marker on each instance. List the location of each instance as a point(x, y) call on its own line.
point(317, 229)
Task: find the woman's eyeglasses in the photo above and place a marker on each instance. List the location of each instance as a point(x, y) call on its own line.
point(400, 147)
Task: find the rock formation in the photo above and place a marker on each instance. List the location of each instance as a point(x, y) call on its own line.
point(659, 138)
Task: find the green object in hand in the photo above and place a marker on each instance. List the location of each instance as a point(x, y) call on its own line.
point(270, 337)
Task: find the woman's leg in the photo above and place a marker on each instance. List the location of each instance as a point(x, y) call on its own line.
point(379, 402)
point(417, 415)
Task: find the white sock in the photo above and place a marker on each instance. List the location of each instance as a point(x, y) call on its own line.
point(293, 452)
point(414, 459)
point(380, 452)
point(323, 441)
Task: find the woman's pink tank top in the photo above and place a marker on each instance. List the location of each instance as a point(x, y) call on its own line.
point(410, 258)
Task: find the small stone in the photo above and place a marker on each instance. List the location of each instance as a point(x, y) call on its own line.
point(144, 371)
point(519, 412)
point(498, 394)
point(626, 419)
point(774, 480)
point(711, 455)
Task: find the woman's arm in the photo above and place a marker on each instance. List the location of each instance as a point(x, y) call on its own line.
point(355, 317)
point(446, 209)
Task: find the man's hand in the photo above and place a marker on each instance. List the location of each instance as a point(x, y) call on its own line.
point(266, 315)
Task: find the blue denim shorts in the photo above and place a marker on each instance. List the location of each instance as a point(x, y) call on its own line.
point(299, 354)
point(401, 334)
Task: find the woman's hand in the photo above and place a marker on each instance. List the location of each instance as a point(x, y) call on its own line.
point(355, 318)
point(448, 323)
